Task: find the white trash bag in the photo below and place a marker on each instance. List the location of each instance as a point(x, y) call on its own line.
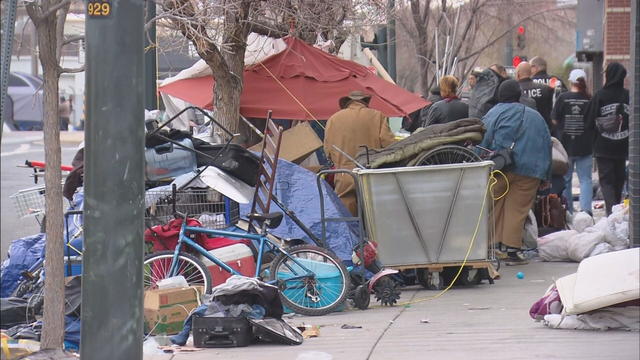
point(530, 232)
point(581, 245)
point(555, 246)
point(582, 221)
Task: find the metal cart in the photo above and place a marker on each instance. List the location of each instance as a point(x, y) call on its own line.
point(425, 218)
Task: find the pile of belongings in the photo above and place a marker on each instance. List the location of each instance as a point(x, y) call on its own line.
point(587, 239)
point(603, 294)
point(244, 297)
point(406, 151)
point(21, 330)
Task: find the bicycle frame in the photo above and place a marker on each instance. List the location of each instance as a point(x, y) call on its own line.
point(264, 243)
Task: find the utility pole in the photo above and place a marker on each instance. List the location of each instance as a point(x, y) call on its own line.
point(112, 288)
point(391, 40)
point(7, 46)
point(634, 127)
point(150, 58)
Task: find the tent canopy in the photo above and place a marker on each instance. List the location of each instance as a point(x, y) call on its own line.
point(301, 83)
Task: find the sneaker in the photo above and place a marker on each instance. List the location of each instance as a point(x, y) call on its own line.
point(515, 258)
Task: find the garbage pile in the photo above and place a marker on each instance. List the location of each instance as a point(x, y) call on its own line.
point(603, 294)
point(237, 313)
point(587, 239)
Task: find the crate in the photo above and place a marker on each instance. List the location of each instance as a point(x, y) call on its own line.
point(216, 332)
point(211, 208)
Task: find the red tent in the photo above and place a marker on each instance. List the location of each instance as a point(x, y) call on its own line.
point(301, 83)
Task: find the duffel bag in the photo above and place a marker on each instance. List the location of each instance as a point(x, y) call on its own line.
point(234, 160)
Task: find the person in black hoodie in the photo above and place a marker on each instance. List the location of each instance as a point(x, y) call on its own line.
point(450, 108)
point(611, 147)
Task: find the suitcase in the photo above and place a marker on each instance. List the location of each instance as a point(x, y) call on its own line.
point(237, 256)
point(214, 332)
point(169, 160)
point(234, 160)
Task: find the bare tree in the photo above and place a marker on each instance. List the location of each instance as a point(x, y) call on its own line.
point(49, 17)
point(218, 31)
point(450, 36)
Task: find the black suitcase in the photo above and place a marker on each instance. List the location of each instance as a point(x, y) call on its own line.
point(234, 160)
point(215, 332)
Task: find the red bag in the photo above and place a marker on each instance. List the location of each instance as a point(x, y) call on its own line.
point(165, 237)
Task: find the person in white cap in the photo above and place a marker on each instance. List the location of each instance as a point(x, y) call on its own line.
point(577, 139)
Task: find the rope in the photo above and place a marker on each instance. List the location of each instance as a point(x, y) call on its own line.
point(292, 96)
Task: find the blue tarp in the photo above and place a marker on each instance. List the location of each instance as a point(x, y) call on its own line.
point(25, 252)
point(296, 188)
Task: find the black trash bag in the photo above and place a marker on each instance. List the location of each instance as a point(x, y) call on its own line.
point(31, 331)
point(15, 311)
point(276, 331)
point(73, 296)
point(234, 160)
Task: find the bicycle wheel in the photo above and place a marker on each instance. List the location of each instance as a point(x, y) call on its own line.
point(447, 154)
point(158, 265)
point(317, 294)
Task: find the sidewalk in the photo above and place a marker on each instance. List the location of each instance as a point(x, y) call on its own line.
point(479, 322)
point(67, 138)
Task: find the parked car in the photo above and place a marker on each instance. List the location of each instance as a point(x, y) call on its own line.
point(26, 97)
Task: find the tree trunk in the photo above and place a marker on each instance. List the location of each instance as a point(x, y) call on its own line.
point(53, 329)
point(227, 101)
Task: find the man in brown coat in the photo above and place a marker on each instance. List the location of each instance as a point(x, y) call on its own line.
point(348, 129)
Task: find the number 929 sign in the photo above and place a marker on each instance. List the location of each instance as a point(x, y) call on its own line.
point(99, 8)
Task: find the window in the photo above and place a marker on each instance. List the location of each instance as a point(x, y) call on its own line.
point(17, 81)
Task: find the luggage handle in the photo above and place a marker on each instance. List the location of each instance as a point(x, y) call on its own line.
point(217, 340)
point(164, 148)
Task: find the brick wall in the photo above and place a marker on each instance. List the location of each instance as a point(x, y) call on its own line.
point(617, 33)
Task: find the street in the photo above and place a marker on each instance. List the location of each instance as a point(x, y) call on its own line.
point(16, 148)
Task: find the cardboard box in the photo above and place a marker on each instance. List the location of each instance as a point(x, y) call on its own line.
point(165, 310)
point(297, 144)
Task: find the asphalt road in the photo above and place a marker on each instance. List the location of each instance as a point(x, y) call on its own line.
point(15, 149)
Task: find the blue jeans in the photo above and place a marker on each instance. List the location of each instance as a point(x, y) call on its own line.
point(583, 166)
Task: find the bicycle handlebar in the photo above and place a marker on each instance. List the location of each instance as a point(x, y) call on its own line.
point(42, 165)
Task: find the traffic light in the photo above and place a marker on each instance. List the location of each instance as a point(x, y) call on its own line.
point(517, 60)
point(520, 40)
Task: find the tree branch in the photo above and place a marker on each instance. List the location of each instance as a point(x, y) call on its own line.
point(72, 71)
point(50, 11)
point(73, 39)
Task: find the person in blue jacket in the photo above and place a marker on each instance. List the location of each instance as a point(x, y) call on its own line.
point(512, 124)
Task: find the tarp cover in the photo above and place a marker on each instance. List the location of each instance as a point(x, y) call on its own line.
point(301, 83)
point(296, 189)
point(25, 252)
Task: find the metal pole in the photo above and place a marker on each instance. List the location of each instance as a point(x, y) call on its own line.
point(7, 45)
point(391, 40)
point(634, 125)
point(150, 59)
point(112, 289)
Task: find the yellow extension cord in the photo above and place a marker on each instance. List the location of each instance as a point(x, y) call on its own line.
point(492, 182)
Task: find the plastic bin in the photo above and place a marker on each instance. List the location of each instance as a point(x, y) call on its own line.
point(329, 280)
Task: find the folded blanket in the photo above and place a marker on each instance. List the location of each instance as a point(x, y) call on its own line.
point(404, 151)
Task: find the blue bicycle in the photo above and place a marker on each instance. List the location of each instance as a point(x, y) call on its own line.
point(312, 281)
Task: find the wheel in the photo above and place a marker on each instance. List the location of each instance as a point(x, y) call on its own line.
point(361, 297)
point(386, 292)
point(158, 265)
point(430, 280)
point(447, 154)
point(318, 294)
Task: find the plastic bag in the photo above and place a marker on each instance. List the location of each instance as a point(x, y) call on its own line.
point(530, 233)
point(554, 247)
point(601, 248)
point(582, 221)
point(581, 245)
point(617, 230)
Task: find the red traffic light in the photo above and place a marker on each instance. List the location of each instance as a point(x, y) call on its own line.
point(516, 60)
point(521, 30)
